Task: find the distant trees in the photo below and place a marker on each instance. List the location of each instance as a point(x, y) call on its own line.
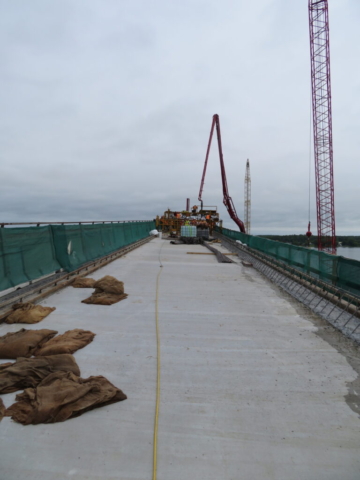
point(304, 241)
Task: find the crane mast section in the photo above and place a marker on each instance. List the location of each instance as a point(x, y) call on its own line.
point(247, 198)
point(322, 122)
point(227, 200)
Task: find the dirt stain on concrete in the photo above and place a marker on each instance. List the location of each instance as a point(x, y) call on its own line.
point(342, 344)
point(247, 276)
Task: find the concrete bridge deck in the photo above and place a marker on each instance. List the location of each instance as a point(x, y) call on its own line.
point(253, 387)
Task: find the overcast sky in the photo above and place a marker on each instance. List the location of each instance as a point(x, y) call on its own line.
point(106, 108)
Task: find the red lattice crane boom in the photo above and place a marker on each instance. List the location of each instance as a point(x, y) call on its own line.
point(227, 200)
point(322, 122)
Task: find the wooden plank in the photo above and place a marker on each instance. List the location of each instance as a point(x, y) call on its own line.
point(200, 253)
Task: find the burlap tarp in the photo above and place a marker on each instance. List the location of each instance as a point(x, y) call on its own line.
point(69, 342)
point(28, 313)
point(61, 396)
point(24, 342)
point(81, 282)
point(109, 284)
point(28, 372)
point(104, 299)
point(2, 409)
point(108, 290)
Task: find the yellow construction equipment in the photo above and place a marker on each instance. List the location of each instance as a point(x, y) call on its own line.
point(172, 221)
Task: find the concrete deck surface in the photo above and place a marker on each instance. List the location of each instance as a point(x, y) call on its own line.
point(248, 389)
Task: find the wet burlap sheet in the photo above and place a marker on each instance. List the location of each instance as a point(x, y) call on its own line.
point(109, 284)
point(28, 372)
point(69, 342)
point(24, 342)
point(81, 282)
point(28, 313)
point(104, 299)
point(61, 396)
point(108, 290)
point(2, 409)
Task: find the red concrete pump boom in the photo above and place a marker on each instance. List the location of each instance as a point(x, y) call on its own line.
point(227, 200)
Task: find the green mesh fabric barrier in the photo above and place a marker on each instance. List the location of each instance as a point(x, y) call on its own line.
point(26, 254)
point(32, 252)
point(339, 271)
point(78, 244)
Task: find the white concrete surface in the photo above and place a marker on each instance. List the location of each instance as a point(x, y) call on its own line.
point(248, 390)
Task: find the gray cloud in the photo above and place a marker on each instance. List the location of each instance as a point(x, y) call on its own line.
point(106, 107)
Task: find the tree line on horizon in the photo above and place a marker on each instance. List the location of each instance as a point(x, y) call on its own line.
point(304, 241)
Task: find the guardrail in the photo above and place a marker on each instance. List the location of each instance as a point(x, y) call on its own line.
point(335, 305)
point(31, 252)
point(93, 222)
point(335, 270)
point(38, 290)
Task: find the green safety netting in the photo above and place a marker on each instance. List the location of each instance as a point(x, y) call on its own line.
point(339, 271)
point(78, 244)
point(26, 254)
point(32, 252)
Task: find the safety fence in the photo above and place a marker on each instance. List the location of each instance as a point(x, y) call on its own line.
point(28, 253)
point(338, 271)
